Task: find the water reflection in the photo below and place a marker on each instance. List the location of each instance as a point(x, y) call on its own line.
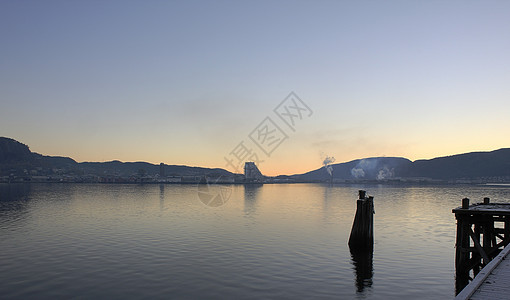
point(330, 194)
point(14, 192)
point(272, 237)
point(364, 268)
point(327, 195)
point(14, 202)
point(161, 197)
point(251, 192)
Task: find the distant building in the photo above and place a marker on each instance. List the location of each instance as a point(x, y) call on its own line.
point(251, 172)
point(161, 170)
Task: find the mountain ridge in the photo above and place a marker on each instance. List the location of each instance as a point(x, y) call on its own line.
point(17, 159)
point(471, 165)
point(17, 156)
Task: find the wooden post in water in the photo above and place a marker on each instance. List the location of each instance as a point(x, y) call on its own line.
point(462, 256)
point(362, 232)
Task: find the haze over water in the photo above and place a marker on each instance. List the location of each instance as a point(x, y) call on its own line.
point(270, 241)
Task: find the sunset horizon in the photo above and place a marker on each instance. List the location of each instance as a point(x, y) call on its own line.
point(263, 167)
point(186, 83)
point(290, 149)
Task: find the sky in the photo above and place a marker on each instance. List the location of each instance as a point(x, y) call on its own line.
point(198, 82)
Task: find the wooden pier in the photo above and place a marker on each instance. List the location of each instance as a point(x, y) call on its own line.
point(492, 281)
point(483, 230)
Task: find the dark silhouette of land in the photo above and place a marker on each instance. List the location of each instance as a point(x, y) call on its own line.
point(493, 166)
point(16, 160)
point(18, 163)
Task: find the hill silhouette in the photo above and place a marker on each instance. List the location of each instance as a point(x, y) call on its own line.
point(16, 157)
point(372, 168)
point(470, 166)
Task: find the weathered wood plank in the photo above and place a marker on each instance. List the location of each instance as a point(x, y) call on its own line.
point(492, 281)
point(479, 247)
point(497, 209)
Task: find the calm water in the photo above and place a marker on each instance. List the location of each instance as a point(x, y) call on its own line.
point(271, 241)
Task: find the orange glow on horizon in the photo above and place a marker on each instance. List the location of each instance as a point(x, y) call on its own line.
point(302, 161)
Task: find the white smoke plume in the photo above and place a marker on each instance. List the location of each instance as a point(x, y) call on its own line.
point(359, 170)
point(384, 173)
point(327, 162)
point(357, 173)
point(371, 168)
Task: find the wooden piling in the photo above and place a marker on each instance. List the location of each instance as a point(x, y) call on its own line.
point(362, 232)
point(465, 203)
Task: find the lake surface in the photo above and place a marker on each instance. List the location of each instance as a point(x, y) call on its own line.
point(271, 241)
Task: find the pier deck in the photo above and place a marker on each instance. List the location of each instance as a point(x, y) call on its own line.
point(483, 238)
point(492, 281)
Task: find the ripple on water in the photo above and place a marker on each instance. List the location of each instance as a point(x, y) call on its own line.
point(273, 241)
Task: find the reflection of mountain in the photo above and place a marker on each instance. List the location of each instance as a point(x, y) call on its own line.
point(14, 201)
point(495, 164)
point(14, 192)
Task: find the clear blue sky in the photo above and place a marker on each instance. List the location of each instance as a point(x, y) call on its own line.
point(183, 82)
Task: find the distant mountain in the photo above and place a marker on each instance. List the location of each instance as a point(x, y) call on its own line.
point(469, 165)
point(12, 151)
point(372, 168)
point(475, 165)
point(128, 168)
point(16, 158)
